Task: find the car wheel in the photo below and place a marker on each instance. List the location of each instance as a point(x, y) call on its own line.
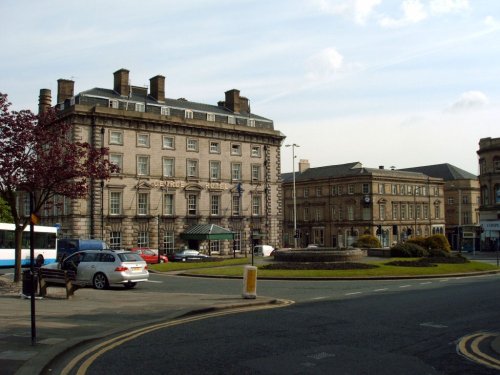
point(129, 285)
point(100, 281)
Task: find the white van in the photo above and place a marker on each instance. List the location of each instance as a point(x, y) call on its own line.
point(263, 250)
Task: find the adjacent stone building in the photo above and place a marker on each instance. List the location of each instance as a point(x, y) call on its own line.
point(338, 203)
point(462, 198)
point(183, 165)
point(489, 180)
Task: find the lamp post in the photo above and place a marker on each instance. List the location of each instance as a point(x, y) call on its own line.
point(417, 188)
point(293, 145)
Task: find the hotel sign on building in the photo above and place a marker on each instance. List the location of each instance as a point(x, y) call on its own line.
point(182, 164)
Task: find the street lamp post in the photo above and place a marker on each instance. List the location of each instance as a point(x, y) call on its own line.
point(294, 196)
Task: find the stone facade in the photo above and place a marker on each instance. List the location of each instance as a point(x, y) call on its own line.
point(337, 204)
point(489, 180)
point(181, 163)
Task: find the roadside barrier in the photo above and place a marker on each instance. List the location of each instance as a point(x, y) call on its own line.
point(250, 282)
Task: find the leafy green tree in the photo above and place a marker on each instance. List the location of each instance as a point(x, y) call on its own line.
point(5, 215)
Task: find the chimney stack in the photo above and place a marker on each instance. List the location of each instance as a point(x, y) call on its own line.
point(44, 101)
point(157, 85)
point(303, 165)
point(65, 90)
point(233, 100)
point(121, 84)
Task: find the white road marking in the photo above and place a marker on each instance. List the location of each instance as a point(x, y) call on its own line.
point(154, 281)
point(427, 282)
point(316, 298)
point(352, 293)
point(381, 289)
point(404, 286)
point(433, 325)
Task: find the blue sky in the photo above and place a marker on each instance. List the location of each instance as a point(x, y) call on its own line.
point(399, 83)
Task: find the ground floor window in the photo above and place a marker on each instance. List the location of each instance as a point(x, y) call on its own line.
point(237, 241)
point(169, 242)
point(115, 240)
point(143, 239)
point(318, 236)
point(214, 246)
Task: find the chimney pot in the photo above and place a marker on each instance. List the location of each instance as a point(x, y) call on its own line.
point(65, 90)
point(303, 165)
point(157, 85)
point(233, 100)
point(44, 100)
point(121, 82)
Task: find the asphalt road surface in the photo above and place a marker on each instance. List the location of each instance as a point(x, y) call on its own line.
point(398, 327)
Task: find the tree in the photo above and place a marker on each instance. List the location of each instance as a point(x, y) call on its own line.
point(5, 215)
point(39, 157)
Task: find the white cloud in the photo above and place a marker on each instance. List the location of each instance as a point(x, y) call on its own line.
point(359, 10)
point(469, 100)
point(491, 22)
point(324, 64)
point(448, 6)
point(413, 12)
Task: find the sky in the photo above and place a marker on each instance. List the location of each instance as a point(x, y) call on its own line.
point(394, 83)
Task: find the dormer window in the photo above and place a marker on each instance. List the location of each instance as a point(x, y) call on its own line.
point(188, 114)
point(210, 117)
point(231, 120)
point(113, 103)
point(140, 107)
point(165, 111)
point(251, 123)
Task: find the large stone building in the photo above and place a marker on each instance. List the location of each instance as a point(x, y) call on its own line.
point(183, 167)
point(489, 180)
point(336, 204)
point(462, 198)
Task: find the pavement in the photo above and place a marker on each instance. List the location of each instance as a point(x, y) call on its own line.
point(62, 324)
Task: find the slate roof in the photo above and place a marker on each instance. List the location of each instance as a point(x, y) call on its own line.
point(207, 232)
point(344, 170)
point(445, 171)
point(174, 103)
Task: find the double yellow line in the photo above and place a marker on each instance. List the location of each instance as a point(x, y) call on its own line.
point(469, 348)
point(87, 357)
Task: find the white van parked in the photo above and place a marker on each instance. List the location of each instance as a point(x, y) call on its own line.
point(263, 250)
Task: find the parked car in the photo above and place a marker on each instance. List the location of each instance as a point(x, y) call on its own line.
point(149, 255)
point(101, 268)
point(189, 255)
point(263, 250)
point(312, 246)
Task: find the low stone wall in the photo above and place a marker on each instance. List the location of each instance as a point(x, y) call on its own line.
point(319, 255)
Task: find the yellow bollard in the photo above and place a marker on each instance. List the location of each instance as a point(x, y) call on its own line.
point(250, 282)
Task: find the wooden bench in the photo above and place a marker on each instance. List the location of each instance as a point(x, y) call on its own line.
point(56, 277)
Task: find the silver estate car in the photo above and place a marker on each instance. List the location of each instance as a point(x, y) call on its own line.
point(101, 268)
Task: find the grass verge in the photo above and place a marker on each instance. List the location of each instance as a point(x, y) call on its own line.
point(180, 266)
point(382, 270)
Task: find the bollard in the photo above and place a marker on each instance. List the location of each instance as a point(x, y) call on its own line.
point(250, 282)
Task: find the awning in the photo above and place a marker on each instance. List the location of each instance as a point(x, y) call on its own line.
point(207, 232)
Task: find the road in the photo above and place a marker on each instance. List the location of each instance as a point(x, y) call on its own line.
point(358, 327)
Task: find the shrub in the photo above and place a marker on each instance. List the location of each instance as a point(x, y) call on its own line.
point(438, 241)
point(438, 253)
point(408, 250)
point(368, 241)
point(420, 241)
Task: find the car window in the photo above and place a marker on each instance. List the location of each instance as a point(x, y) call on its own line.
point(129, 257)
point(109, 258)
point(148, 252)
point(89, 257)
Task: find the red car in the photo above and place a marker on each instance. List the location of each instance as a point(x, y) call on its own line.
point(149, 255)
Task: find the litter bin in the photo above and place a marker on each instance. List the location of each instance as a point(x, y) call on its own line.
point(28, 283)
